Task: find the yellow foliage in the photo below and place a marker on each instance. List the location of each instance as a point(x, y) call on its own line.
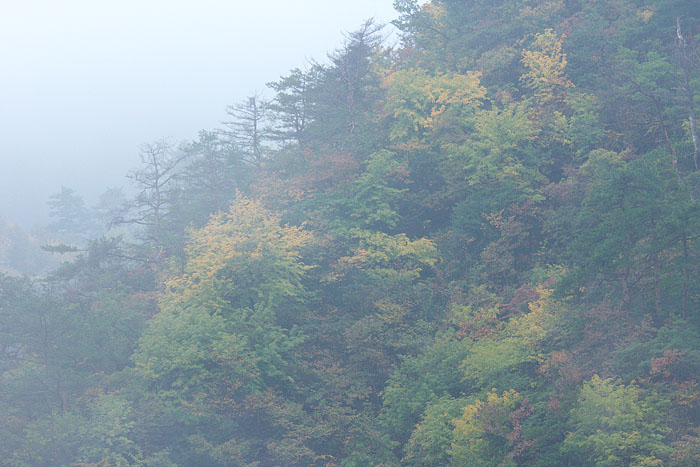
point(246, 233)
point(534, 326)
point(546, 64)
point(481, 423)
point(645, 13)
point(380, 250)
point(437, 12)
point(418, 100)
point(522, 340)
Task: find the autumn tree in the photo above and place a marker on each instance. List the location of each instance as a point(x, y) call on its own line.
point(227, 328)
point(489, 433)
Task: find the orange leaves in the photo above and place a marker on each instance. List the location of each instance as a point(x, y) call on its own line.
point(668, 365)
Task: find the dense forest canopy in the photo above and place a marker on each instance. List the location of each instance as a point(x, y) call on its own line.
point(479, 247)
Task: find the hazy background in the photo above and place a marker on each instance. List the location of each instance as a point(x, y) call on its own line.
point(83, 83)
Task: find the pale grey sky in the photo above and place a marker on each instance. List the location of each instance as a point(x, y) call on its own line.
point(84, 82)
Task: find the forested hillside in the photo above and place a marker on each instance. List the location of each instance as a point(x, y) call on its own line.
point(480, 247)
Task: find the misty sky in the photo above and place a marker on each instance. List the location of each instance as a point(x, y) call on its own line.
point(84, 82)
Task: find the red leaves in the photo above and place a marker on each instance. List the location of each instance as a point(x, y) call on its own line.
point(669, 365)
point(523, 295)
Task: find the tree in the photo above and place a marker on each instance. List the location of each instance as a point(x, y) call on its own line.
point(108, 206)
point(223, 342)
point(422, 105)
point(347, 90)
point(489, 433)
point(72, 218)
point(157, 184)
point(62, 337)
point(432, 437)
point(214, 173)
point(368, 202)
point(248, 129)
point(546, 65)
point(416, 384)
point(631, 220)
point(617, 425)
point(293, 107)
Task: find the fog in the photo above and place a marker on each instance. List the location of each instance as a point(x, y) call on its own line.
point(84, 83)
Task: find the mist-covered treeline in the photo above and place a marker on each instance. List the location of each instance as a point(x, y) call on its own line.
point(477, 248)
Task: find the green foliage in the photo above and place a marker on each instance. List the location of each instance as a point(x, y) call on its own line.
point(433, 250)
point(498, 148)
point(432, 438)
point(418, 382)
point(630, 213)
point(368, 202)
point(616, 425)
point(107, 437)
